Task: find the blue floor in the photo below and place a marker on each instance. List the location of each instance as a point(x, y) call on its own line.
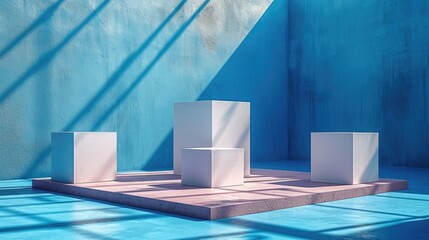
point(27, 213)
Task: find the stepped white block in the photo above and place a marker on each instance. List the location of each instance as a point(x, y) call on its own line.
point(79, 157)
point(344, 157)
point(212, 167)
point(211, 124)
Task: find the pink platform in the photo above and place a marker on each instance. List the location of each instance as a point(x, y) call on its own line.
point(264, 190)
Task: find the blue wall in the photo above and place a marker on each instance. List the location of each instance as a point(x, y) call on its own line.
point(361, 65)
point(305, 65)
point(120, 65)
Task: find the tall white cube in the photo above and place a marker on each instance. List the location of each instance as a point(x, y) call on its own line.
point(212, 167)
point(79, 157)
point(344, 157)
point(211, 124)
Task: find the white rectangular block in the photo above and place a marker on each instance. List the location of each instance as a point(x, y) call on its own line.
point(211, 124)
point(212, 167)
point(344, 157)
point(79, 157)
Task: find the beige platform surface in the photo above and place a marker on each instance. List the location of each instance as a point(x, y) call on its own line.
point(264, 190)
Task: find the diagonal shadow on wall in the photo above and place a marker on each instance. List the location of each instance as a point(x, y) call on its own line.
point(251, 74)
point(44, 153)
point(49, 56)
point(118, 73)
point(148, 68)
point(45, 16)
point(41, 65)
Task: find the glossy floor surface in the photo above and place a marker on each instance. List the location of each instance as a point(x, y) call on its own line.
point(33, 214)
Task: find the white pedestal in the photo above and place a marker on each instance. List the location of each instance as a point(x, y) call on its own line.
point(212, 167)
point(79, 157)
point(211, 124)
point(344, 157)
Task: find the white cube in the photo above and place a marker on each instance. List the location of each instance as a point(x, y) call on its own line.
point(211, 124)
point(79, 157)
point(212, 167)
point(344, 157)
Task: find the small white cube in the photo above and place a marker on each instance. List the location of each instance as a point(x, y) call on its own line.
point(212, 167)
point(222, 124)
point(79, 157)
point(344, 157)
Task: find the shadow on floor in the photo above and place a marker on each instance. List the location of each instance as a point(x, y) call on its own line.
point(415, 229)
point(4, 191)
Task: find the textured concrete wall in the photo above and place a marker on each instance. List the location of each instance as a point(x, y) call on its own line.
point(361, 65)
point(120, 65)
